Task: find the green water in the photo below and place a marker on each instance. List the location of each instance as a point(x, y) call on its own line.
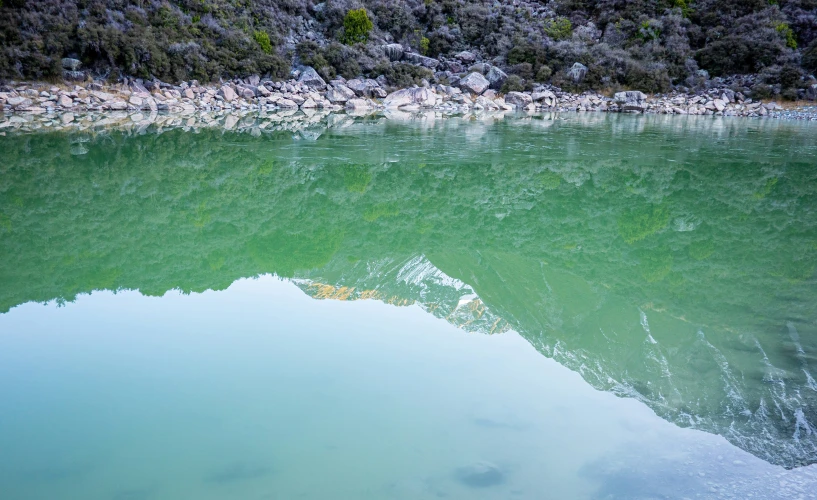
point(588, 306)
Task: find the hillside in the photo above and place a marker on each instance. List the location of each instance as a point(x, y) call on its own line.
point(646, 44)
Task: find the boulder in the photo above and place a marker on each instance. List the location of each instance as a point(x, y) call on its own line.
point(394, 51)
point(719, 104)
point(496, 77)
point(254, 80)
point(421, 96)
point(577, 72)
point(65, 101)
point(466, 57)
point(71, 64)
point(631, 100)
point(227, 93)
point(339, 94)
point(474, 83)
point(311, 78)
point(74, 76)
point(357, 104)
point(545, 96)
point(366, 88)
point(286, 104)
point(518, 99)
point(428, 62)
point(136, 101)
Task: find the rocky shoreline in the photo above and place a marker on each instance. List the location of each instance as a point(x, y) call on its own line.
point(39, 104)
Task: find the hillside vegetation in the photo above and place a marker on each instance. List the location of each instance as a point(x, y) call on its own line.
point(645, 44)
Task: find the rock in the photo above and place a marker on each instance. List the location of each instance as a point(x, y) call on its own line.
point(71, 64)
point(65, 101)
point(480, 475)
point(67, 118)
point(188, 93)
point(311, 78)
point(719, 104)
point(424, 61)
point(254, 80)
point(577, 72)
point(366, 88)
point(339, 94)
point(546, 96)
point(74, 76)
point(116, 105)
point(518, 99)
point(136, 101)
point(247, 93)
point(309, 104)
point(631, 100)
point(474, 83)
point(466, 57)
point(286, 104)
point(18, 102)
point(227, 93)
point(357, 104)
point(394, 51)
point(422, 96)
point(496, 77)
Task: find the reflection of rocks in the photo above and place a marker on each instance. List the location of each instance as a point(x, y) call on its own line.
point(480, 475)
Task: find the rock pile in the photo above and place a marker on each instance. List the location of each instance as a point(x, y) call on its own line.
point(475, 91)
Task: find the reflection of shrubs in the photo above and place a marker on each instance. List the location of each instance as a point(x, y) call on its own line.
point(636, 225)
point(356, 178)
point(356, 26)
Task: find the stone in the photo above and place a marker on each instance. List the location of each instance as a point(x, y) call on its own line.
point(474, 83)
point(18, 102)
point(117, 105)
point(247, 93)
point(71, 64)
point(358, 104)
point(227, 93)
point(65, 101)
point(577, 72)
point(427, 62)
point(421, 96)
point(545, 96)
point(496, 77)
point(311, 78)
point(719, 104)
point(136, 101)
point(254, 80)
point(518, 99)
point(394, 51)
point(286, 104)
point(188, 93)
point(365, 88)
point(309, 104)
point(631, 100)
point(339, 94)
point(480, 475)
point(466, 56)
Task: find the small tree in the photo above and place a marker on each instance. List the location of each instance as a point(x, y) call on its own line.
point(356, 26)
point(262, 39)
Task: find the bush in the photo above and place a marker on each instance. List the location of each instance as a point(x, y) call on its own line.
point(559, 28)
point(787, 34)
point(810, 57)
point(356, 27)
point(513, 84)
point(262, 39)
point(544, 74)
point(403, 75)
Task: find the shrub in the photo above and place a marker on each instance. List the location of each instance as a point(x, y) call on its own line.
point(513, 84)
point(559, 28)
point(544, 73)
point(403, 75)
point(787, 34)
point(810, 57)
point(424, 45)
point(356, 26)
point(262, 39)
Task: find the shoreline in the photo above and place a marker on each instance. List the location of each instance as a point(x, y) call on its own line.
point(310, 94)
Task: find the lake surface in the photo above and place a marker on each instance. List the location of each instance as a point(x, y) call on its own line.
point(559, 306)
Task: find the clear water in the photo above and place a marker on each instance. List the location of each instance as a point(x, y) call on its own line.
point(550, 307)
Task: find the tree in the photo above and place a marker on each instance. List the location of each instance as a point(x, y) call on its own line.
point(356, 26)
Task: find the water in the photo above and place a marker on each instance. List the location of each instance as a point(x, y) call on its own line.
point(550, 307)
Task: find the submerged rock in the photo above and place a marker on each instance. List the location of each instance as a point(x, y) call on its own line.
point(480, 475)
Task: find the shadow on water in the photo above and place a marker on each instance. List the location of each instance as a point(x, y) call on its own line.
point(665, 260)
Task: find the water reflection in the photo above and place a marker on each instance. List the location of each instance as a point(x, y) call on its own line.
point(663, 259)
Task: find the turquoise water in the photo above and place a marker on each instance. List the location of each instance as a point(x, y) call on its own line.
point(581, 307)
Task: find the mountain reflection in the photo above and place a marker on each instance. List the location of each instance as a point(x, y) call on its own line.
point(671, 261)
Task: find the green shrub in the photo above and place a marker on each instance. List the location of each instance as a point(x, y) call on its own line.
point(356, 26)
point(544, 74)
point(513, 84)
point(788, 34)
point(424, 45)
point(559, 28)
point(262, 39)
